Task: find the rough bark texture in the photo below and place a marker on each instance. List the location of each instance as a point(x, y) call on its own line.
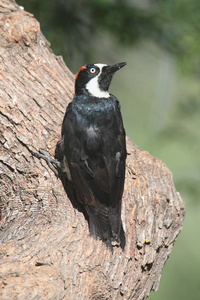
point(46, 251)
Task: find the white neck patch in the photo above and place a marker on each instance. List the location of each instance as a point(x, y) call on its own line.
point(93, 86)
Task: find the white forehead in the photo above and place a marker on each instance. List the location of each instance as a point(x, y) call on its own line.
point(100, 66)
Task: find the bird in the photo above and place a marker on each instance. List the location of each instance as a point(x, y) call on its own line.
point(92, 151)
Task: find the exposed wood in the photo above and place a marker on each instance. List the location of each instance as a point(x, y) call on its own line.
point(46, 250)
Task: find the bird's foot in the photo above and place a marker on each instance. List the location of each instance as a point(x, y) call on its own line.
point(53, 163)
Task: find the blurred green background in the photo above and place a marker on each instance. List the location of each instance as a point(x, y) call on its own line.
point(159, 92)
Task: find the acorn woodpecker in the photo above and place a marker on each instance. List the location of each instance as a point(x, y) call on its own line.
point(92, 151)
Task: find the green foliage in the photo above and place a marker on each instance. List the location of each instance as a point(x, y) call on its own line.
point(126, 22)
point(180, 22)
point(174, 25)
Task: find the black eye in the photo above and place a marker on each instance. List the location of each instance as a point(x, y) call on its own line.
point(92, 70)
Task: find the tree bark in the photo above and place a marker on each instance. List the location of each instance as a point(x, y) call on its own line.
point(46, 250)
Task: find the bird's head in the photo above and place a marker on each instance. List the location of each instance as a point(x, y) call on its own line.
point(95, 79)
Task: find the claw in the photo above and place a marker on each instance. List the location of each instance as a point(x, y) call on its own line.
point(49, 160)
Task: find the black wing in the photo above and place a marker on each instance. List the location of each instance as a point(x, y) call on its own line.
point(95, 151)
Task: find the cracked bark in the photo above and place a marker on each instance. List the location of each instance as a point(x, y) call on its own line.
point(46, 251)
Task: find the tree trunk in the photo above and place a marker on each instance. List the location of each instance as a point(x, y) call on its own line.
point(46, 249)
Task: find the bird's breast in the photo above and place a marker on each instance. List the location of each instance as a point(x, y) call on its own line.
point(94, 121)
point(96, 112)
point(93, 138)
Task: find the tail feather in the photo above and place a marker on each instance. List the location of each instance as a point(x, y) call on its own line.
point(105, 222)
point(98, 216)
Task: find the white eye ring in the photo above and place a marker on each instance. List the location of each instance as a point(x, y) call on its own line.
point(92, 70)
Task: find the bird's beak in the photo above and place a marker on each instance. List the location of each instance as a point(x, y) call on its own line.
point(114, 68)
point(107, 74)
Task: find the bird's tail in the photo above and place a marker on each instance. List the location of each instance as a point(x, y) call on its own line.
point(105, 222)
